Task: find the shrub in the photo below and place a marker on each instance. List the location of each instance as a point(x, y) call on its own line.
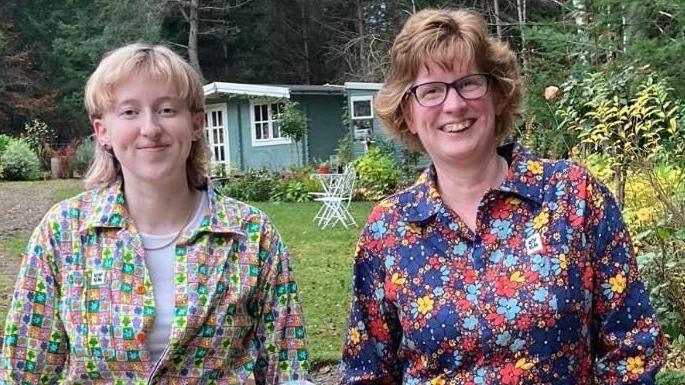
point(83, 156)
point(376, 174)
point(20, 162)
point(256, 185)
point(39, 136)
point(670, 377)
point(4, 141)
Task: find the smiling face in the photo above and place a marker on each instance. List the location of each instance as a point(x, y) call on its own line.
point(458, 130)
point(150, 130)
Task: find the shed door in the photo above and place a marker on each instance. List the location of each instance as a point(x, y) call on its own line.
point(217, 134)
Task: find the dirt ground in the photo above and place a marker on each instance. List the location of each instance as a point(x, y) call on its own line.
point(22, 205)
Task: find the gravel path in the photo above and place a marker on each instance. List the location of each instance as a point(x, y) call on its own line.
point(22, 206)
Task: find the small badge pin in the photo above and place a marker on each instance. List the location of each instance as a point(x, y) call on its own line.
point(534, 244)
point(97, 277)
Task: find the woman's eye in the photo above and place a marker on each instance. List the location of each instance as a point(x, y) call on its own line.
point(129, 112)
point(167, 111)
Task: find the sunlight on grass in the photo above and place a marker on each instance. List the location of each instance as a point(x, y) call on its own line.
point(322, 262)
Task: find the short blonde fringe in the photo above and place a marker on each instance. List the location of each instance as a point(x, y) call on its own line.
point(158, 62)
point(447, 38)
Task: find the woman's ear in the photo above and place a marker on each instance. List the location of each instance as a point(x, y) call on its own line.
point(198, 125)
point(407, 113)
point(101, 132)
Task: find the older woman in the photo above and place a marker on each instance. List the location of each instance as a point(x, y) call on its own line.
point(150, 277)
point(496, 267)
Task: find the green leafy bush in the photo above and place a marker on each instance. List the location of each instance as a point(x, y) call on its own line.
point(20, 162)
point(4, 141)
point(291, 191)
point(39, 137)
point(83, 156)
point(670, 377)
point(256, 185)
point(376, 174)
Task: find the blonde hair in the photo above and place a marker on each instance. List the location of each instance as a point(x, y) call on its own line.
point(157, 62)
point(447, 38)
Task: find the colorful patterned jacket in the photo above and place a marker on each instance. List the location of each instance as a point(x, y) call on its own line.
point(545, 291)
point(83, 301)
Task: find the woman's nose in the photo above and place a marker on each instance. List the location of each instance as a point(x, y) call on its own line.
point(453, 101)
point(150, 125)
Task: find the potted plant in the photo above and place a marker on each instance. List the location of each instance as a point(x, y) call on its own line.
point(60, 160)
point(324, 168)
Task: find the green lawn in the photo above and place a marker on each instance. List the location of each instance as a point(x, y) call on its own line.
point(322, 262)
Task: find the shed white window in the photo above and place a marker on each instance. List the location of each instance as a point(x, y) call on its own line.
point(361, 113)
point(265, 127)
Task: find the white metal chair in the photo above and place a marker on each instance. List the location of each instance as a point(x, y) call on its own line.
point(336, 203)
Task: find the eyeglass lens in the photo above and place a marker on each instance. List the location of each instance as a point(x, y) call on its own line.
point(469, 87)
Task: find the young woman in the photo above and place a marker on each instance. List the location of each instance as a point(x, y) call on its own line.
point(150, 277)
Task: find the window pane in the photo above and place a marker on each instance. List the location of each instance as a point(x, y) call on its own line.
point(215, 136)
point(361, 108)
point(265, 128)
point(258, 130)
point(222, 154)
point(277, 130)
point(206, 121)
point(221, 136)
point(257, 114)
point(216, 153)
point(265, 112)
point(362, 124)
point(213, 118)
point(221, 117)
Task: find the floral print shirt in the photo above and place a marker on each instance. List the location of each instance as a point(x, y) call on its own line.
point(545, 291)
point(83, 301)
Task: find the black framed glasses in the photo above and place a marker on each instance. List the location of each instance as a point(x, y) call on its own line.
point(470, 87)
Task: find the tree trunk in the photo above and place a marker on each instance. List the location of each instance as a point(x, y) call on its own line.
point(521, 10)
point(305, 41)
point(581, 28)
point(193, 22)
point(495, 4)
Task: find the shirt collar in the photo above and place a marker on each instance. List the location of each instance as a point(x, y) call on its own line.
point(109, 211)
point(525, 178)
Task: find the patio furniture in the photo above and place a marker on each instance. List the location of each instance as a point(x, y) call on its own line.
point(335, 198)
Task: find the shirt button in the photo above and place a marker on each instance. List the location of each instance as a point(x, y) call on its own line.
point(141, 289)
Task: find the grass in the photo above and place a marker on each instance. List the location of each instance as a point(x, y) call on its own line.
point(322, 262)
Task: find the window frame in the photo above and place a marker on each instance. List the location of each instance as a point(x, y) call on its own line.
point(363, 133)
point(271, 141)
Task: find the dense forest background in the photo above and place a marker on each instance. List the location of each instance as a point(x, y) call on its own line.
point(48, 48)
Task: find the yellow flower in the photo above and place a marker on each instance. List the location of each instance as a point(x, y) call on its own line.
point(517, 277)
point(535, 167)
point(425, 304)
point(618, 283)
point(540, 220)
point(635, 365)
point(563, 262)
point(645, 215)
point(398, 279)
point(355, 336)
point(522, 364)
point(438, 381)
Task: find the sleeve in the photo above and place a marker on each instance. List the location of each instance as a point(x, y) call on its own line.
point(35, 345)
point(374, 331)
point(283, 355)
point(629, 343)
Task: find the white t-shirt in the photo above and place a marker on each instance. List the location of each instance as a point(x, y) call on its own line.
point(160, 266)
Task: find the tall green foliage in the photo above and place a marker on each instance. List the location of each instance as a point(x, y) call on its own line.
point(625, 113)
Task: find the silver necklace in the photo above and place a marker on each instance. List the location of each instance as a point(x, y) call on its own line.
point(178, 234)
